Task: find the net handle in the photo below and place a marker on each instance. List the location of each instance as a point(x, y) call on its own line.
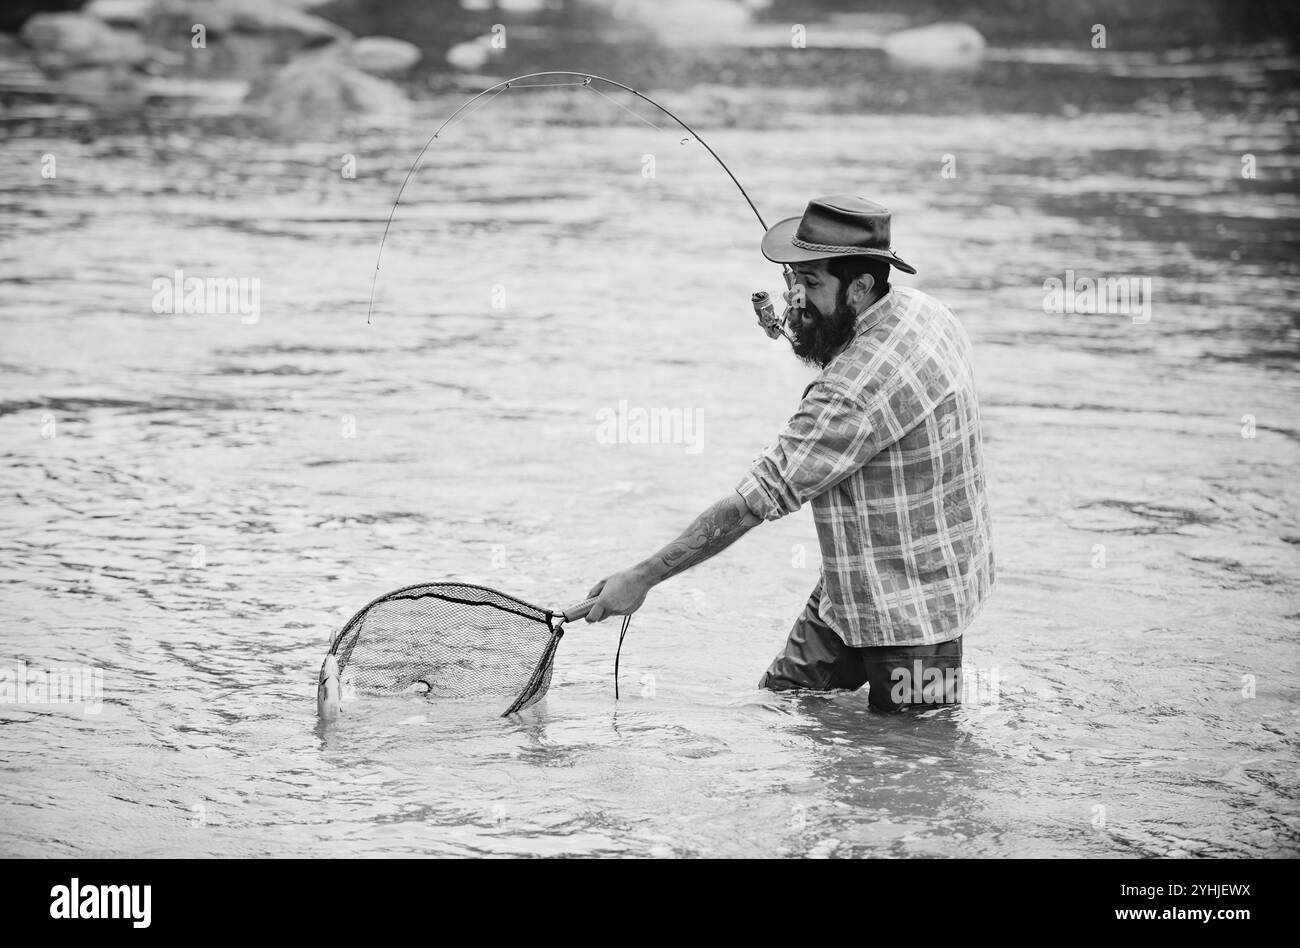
point(574, 613)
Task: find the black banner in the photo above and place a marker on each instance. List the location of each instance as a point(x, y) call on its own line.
point(787, 898)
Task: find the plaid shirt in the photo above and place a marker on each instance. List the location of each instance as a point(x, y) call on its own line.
point(886, 445)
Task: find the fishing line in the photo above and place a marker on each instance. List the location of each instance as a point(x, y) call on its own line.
point(452, 123)
point(635, 115)
point(544, 85)
point(626, 619)
point(478, 101)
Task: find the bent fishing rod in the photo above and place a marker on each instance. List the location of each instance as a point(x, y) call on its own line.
point(762, 303)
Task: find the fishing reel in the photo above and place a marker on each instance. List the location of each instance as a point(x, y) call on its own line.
point(766, 312)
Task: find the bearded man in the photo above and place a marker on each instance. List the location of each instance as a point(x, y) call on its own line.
point(886, 447)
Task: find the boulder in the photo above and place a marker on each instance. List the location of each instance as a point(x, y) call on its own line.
point(65, 41)
point(470, 56)
point(323, 87)
point(132, 14)
point(241, 37)
point(383, 55)
point(173, 20)
point(939, 46)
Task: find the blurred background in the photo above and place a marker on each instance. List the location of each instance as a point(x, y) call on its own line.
point(197, 492)
point(1022, 54)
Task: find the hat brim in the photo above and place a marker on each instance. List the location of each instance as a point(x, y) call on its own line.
point(778, 246)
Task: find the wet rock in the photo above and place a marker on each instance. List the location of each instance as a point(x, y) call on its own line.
point(238, 37)
point(293, 29)
point(323, 87)
point(65, 41)
point(70, 59)
point(473, 55)
point(383, 55)
point(939, 46)
point(131, 14)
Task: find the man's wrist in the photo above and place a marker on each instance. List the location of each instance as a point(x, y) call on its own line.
point(648, 572)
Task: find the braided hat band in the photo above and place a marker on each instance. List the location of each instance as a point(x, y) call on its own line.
point(842, 248)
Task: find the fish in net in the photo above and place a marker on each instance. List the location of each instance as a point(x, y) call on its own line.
point(446, 640)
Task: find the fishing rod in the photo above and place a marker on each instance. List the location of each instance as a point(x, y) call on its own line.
point(761, 301)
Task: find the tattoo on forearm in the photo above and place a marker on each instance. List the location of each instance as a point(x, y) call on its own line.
point(713, 531)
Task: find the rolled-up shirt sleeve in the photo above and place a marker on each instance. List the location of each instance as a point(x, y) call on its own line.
point(833, 433)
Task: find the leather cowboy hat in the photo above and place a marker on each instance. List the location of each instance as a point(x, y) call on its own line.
point(840, 225)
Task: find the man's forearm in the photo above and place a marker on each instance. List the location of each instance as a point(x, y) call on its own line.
point(712, 532)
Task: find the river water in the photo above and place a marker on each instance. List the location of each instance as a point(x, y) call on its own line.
point(194, 503)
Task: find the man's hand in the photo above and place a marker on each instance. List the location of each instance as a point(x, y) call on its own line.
point(620, 594)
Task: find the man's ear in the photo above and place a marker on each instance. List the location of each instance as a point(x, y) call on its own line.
point(861, 289)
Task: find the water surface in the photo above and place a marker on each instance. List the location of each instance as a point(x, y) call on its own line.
point(310, 462)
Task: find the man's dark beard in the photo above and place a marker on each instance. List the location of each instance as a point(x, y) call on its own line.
point(828, 334)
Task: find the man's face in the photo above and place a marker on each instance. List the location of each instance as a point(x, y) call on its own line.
point(825, 323)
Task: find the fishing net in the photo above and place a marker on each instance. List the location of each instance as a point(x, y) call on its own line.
point(450, 640)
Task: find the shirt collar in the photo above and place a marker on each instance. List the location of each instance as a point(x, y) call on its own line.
point(868, 319)
point(872, 316)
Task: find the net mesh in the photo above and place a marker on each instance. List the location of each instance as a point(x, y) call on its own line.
point(450, 640)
